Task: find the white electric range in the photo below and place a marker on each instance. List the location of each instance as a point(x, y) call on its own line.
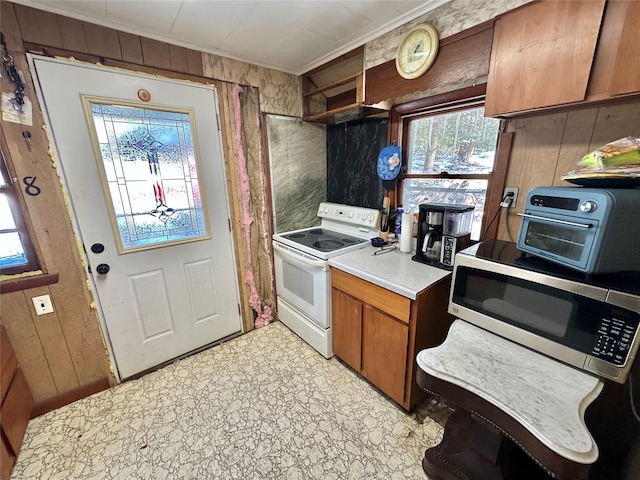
point(303, 277)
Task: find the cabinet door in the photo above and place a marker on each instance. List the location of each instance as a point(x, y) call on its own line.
point(542, 55)
point(625, 76)
point(384, 352)
point(16, 411)
point(6, 461)
point(8, 363)
point(346, 327)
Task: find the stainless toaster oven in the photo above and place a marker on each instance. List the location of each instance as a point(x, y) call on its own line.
point(590, 230)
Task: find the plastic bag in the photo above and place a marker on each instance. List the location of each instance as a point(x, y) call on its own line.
point(619, 154)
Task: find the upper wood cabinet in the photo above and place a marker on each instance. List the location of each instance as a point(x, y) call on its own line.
point(542, 55)
point(624, 77)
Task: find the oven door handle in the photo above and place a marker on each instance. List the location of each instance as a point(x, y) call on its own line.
point(553, 220)
point(301, 257)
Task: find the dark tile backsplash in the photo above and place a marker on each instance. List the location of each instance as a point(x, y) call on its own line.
point(352, 155)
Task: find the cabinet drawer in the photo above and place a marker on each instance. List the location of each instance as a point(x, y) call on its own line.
point(388, 302)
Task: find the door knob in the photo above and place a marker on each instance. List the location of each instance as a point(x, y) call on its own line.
point(102, 269)
point(97, 248)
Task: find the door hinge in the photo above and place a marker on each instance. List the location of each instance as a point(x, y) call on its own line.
point(229, 222)
point(239, 310)
point(218, 120)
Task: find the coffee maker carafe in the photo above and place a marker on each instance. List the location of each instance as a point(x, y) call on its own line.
point(432, 242)
point(429, 241)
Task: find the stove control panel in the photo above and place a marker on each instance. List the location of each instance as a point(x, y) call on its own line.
point(368, 217)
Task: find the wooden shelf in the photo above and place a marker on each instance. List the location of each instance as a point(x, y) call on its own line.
point(329, 117)
point(356, 78)
point(338, 88)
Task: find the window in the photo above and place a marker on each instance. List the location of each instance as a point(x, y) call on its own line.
point(150, 168)
point(451, 154)
point(16, 251)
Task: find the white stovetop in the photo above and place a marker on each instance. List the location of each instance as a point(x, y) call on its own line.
point(394, 271)
point(548, 398)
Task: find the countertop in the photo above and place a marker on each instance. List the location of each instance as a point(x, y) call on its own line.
point(394, 270)
point(546, 397)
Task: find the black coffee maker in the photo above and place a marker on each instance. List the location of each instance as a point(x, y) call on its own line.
point(429, 240)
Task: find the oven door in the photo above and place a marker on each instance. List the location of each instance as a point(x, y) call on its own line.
point(564, 240)
point(303, 282)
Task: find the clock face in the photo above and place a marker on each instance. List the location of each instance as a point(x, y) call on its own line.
point(417, 51)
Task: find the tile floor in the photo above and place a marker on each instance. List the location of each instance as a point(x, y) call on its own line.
point(261, 406)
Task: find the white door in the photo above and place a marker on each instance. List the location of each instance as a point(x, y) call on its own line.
point(147, 187)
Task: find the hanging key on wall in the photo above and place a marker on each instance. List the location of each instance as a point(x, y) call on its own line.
point(27, 138)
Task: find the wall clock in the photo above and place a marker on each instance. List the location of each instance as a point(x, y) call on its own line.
point(417, 51)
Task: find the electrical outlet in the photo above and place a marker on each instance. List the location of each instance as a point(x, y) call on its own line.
point(512, 201)
point(42, 304)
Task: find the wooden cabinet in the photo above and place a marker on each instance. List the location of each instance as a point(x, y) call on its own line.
point(346, 328)
point(542, 55)
point(624, 77)
point(378, 332)
point(551, 54)
point(334, 92)
point(384, 351)
point(16, 406)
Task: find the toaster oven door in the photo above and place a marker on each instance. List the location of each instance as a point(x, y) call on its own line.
point(564, 240)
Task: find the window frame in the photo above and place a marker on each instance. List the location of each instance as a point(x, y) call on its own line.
point(470, 97)
point(17, 206)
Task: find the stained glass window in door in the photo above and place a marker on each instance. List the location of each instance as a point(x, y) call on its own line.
point(150, 167)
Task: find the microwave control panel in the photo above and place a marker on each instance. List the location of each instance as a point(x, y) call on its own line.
point(613, 340)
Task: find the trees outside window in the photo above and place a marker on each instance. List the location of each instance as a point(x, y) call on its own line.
point(450, 159)
point(452, 153)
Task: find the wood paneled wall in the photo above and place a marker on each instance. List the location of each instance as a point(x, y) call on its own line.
point(546, 147)
point(463, 60)
point(51, 30)
point(63, 354)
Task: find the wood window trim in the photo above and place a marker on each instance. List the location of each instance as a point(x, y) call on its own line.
point(25, 283)
point(13, 280)
point(20, 217)
point(451, 101)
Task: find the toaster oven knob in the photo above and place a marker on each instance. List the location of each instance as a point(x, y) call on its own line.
point(588, 206)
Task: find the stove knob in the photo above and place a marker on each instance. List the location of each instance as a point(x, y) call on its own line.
point(350, 214)
point(371, 217)
point(588, 206)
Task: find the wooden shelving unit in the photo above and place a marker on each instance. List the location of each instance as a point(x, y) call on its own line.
point(334, 92)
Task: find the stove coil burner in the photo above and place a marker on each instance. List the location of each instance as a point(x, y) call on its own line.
point(296, 235)
point(350, 240)
point(328, 245)
point(316, 231)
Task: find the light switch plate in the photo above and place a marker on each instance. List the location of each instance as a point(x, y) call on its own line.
point(42, 304)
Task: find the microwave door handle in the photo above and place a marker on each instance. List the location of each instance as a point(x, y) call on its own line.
point(300, 258)
point(553, 220)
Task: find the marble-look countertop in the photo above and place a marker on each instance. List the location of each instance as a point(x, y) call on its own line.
point(394, 270)
point(547, 397)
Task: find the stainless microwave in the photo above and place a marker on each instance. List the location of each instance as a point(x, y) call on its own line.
point(590, 230)
point(589, 324)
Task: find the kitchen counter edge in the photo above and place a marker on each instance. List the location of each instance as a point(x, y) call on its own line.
point(394, 270)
